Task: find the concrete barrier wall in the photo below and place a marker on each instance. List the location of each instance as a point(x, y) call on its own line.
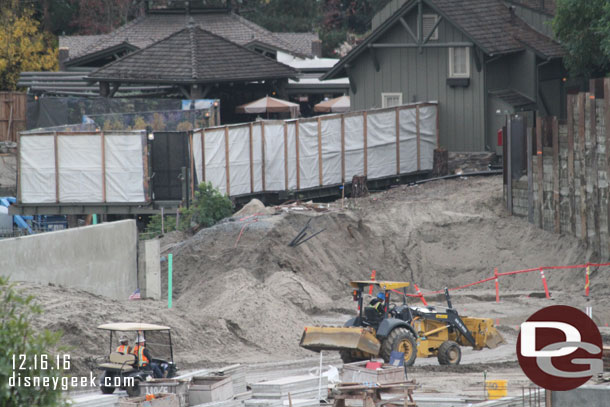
point(591, 396)
point(101, 259)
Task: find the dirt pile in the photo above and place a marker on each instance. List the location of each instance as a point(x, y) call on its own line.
point(241, 294)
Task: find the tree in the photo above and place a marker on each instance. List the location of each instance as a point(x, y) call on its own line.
point(103, 16)
point(583, 28)
point(23, 47)
point(18, 337)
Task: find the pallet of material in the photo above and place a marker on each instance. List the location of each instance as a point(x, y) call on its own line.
point(160, 400)
point(358, 373)
point(299, 387)
point(282, 403)
point(225, 403)
point(238, 376)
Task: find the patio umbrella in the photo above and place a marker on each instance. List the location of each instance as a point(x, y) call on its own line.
point(269, 105)
point(337, 105)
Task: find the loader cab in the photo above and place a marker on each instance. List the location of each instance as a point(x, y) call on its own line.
point(368, 316)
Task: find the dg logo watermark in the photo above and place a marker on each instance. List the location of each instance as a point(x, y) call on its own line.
point(560, 348)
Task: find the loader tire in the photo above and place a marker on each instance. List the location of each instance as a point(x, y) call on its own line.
point(400, 340)
point(449, 353)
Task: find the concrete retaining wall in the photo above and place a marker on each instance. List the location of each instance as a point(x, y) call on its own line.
point(590, 396)
point(101, 259)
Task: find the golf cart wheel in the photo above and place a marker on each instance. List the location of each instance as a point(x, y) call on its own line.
point(449, 353)
point(400, 340)
point(134, 391)
point(105, 389)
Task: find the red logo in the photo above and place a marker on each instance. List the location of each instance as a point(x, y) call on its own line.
point(560, 348)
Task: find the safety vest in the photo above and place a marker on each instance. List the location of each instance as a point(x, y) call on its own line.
point(123, 349)
point(376, 306)
point(139, 352)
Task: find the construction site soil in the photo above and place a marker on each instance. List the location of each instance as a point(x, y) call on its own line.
point(241, 294)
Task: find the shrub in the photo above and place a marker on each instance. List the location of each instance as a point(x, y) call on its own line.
point(209, 207)
point(18, 337)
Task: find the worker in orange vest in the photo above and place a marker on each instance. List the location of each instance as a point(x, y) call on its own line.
point(144, 358)
point(123, 345)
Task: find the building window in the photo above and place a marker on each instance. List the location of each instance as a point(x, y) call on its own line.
point(391, 99)
point(429, 23)
point(459, 62)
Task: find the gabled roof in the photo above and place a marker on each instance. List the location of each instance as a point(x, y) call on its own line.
point(487, 23)
point(152, 27)
point(302, 42)
point(190, 56)
point(78, 44)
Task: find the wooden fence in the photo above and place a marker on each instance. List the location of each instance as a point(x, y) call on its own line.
point(12, 115)
point(571, 169)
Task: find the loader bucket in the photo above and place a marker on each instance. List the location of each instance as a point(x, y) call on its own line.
point(485, 333)
point(342, 339)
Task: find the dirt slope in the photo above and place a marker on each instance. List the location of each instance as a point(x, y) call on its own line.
point(248, 300)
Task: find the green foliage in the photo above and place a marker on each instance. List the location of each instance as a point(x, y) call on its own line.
point(209, 207)
point(23, 46)
point(18, 337)
point(583, 28)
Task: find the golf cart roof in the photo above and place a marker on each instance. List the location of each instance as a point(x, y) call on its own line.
point(384, 285)
point(133, 326)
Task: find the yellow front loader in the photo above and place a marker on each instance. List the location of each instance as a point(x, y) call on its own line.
point(413, 331)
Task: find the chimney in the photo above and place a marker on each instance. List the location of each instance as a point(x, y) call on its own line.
point(511, 10)
point(64, 55)
point(316, 48)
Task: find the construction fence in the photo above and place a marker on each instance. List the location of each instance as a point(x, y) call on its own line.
point(316, 152)
point(567, 190)
point(91, 167)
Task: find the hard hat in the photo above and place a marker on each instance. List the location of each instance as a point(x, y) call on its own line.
point(123, 338)
point(381, 296)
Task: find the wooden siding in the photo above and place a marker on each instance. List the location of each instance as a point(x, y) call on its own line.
point(386, 12)
point(540, 21)
point(423, 77)
point(12, 115)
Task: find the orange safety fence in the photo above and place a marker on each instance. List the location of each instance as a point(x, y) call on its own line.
point(496, 276)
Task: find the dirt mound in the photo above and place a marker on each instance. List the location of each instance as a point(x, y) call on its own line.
point(242, 294)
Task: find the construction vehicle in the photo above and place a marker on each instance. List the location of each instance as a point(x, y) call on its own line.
point(121, 370)
point(413, 331)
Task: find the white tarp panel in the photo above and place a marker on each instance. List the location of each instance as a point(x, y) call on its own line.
point(239, 160)
point(197, 158)
point(292, 156)
point(381, 140)
point(354, 147)
point(257, 157)
point(215, 171)
point(408, 141)
point(80, 168)
point(308, 154)
point(331, 151)
point(427, 120)
point(37, 169)
point(274, 157)
point(124, 167)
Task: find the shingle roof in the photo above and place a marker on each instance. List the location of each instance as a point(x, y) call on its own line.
point(193, 55)
point(78, 44)
point(300, 41)
point(153, 27)
point(488, 23)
